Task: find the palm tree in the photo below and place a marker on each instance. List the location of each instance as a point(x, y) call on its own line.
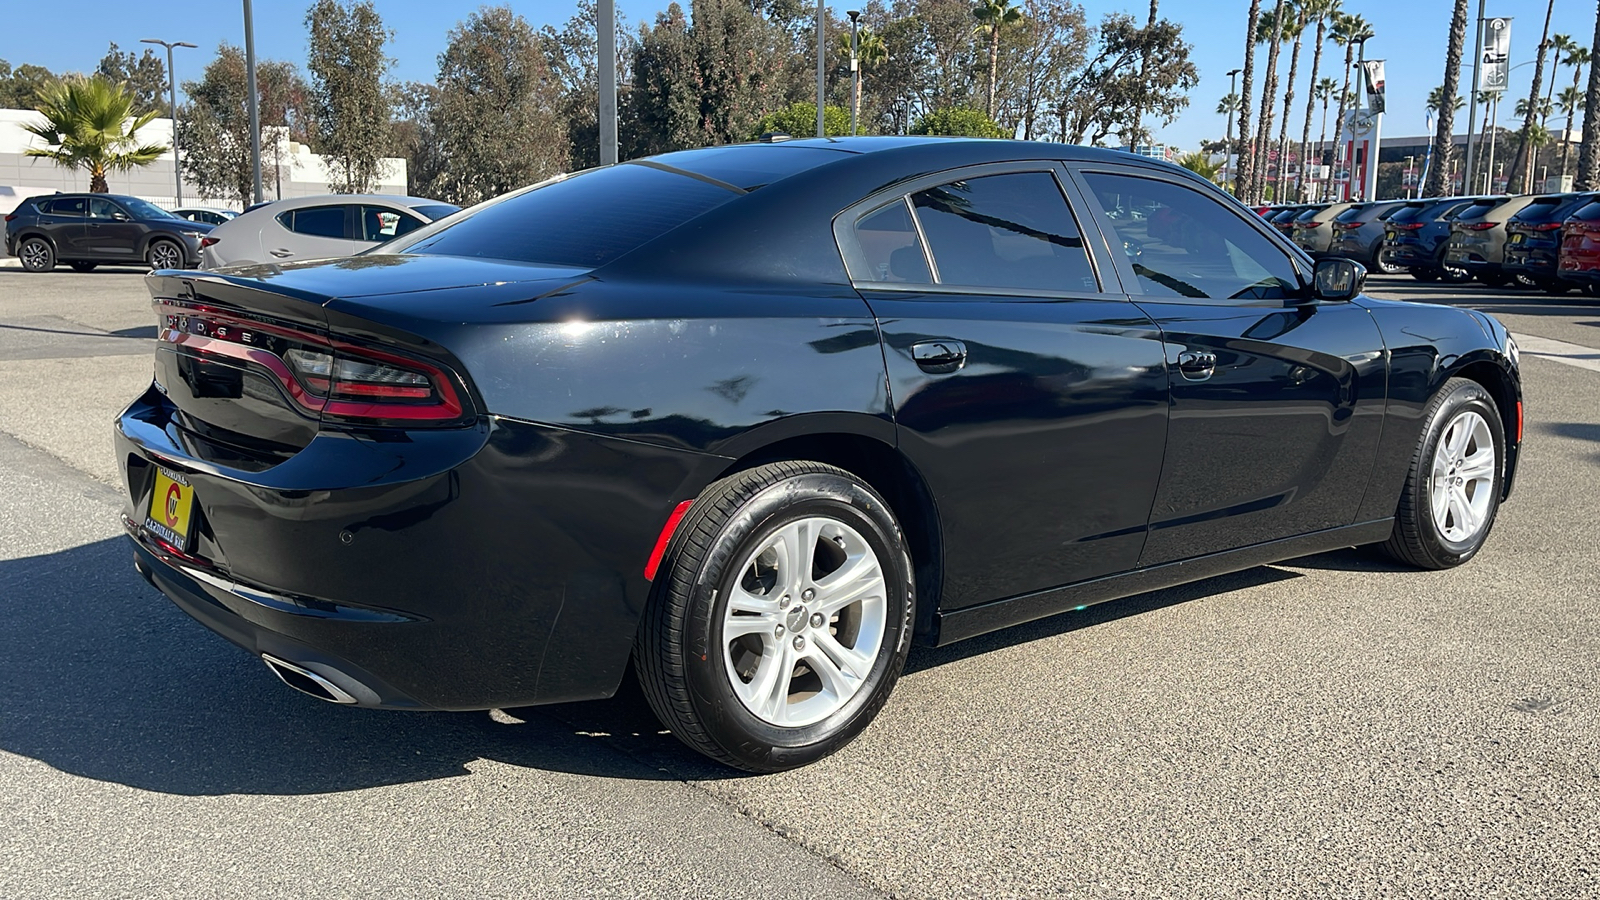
point(1228, 105)
point(1443, 138)
point(1201, 164)
point(1571, 101)
point(1436, 100)
point(992, 16)
point(1577, 57)
point(89, 124)
point(1318, 11)
point(1348, 31)
point(1324, 92)
point(1297, 29)
point(1588, 158)
point(1522, 165)
point(1272, 31)
point(1246, 173)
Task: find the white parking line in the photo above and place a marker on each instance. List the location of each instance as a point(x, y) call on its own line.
point(1560, 351)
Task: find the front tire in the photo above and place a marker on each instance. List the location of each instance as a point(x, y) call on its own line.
point(164, 255)
point(1381, 264)
point(37, 255)
point(781, 617)
point(1452, 492)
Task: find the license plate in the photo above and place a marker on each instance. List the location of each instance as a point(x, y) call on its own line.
point(1518, 238)
point(171, 504)
point(1392, 235)
point(1455, 255)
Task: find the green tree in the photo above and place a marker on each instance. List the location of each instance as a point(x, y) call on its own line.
point(1436, 100)
point(871, 53)
point(955, 121)
point(1052, 47)
point(347, 63)
point(800, 120)
point(1295, 28)
point(1201, 164)
point(1443, 138)
point(664, 104)
point(1324, 92)
point(1272, 34)
point(1530, 110)
point(993, 16)
point(1577, 57)
point(214, 126)
point(494, 115)
point(90, 124)
point(19, 87)
point(145, 74)
point(1115, 86)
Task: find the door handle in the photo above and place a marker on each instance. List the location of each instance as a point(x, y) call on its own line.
point(939, 357)
point(281, 253)
point(1197, 365)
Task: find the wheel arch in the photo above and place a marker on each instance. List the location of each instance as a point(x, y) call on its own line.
point(41, 235)
point(1492, 376)
point(881, 465)
point(150, 239)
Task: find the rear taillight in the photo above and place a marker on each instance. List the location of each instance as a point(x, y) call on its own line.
point(1478, 226)
point(1545, 226)
point(323, 376)
point(1406, 226)
point(208, 241)
point(10, 216)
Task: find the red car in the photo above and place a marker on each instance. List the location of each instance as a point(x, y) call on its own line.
point(1579, 262)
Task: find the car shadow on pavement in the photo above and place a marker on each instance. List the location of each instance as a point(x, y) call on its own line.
point(106, 679)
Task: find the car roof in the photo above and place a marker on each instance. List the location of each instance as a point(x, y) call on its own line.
point(289, 203)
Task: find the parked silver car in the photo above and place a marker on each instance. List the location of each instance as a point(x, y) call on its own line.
point(316, 228)
point(211, 215)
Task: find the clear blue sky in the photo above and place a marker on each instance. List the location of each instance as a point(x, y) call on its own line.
point(1410, 35)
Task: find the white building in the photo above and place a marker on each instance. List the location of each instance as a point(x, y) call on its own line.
point(288, 169)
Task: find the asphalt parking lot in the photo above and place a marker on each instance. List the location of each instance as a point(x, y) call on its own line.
point(1331, 727)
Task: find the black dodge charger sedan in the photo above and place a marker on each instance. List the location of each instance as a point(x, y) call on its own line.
point(758, 417)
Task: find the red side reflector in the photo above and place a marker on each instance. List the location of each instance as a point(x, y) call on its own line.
point(1519, 421)
point(666, 536)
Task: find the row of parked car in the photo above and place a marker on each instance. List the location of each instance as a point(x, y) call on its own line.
point(1546, 241)
point(90, 230)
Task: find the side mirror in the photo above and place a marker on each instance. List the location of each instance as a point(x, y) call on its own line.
point(1337, 280)
point(119, 217)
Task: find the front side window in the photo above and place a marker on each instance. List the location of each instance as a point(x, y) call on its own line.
point(144, 209)
point(317, 221)
point(1004, 231)
point(1183, 244)
point(381, 224)
point(104, 209)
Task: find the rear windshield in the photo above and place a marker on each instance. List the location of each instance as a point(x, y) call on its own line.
point(586, 220)
point(1353, 214)
point(1542, 209)
point(1284, 215)
point(750, 166)
point(1308, 215)
point(1476, 209)
point(1413, 212)
point(1590, 211)
point(436, 211)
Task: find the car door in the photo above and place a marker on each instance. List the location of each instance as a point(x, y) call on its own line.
point(1027, 390)
point(110, 233)
point(1277, 401)
point(310, 232)
point(63, 221)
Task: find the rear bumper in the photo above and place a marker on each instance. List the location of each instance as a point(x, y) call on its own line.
point(498, 565)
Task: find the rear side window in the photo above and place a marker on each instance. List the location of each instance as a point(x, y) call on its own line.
point(1004, 231)
point(435, 211)
point(1475, 210)
point(889, 242)
point(586, 220)
point(317, 221)
point(66, 206)
point(379, 223)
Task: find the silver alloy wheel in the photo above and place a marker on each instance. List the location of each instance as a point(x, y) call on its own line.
point(165, 255)
point(1464, 468)
point(805, 622)
point(35, 255)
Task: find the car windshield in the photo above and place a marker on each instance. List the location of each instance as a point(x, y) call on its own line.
point(588, 219)
point(144, 209)
point(433, 212)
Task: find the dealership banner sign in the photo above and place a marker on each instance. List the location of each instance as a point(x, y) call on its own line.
point(1494, 69)
point(1374, 72)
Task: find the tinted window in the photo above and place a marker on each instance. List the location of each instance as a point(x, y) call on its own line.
point(1448, 211)
point(144, 209)
point(1353, 214)
point(1184, 244)
point(379, 223)
point(586, 220)
point(1590, 212)
point(1543, 209)
point(435, 211)
point(1004, 231)
point(318, 221)
point(1308, 215)
point(1412, 212)
point(889, 242)
point(750, 166)
point(1476, 209)
point(104, 209)
point(67, 206)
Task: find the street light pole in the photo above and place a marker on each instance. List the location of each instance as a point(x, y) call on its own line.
point(1227, 140)
point(172, 94)
point(252, 100)
point(855, 68)
point(608, 82)
point(1468, 181)
point(822, 54)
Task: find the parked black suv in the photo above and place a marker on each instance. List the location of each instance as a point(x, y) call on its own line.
point(86, 230)
point(1416, 233)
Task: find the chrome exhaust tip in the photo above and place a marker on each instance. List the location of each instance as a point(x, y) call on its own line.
point(308, 682)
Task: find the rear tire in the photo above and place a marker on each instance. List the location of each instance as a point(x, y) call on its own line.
point(163, 254)
point(1381, 265)
point(81, 266)
point(1451, 274)
point(748, 654)
point(37, 255)
point(1554, 286)
point(1452, 491)
point(1421, 274)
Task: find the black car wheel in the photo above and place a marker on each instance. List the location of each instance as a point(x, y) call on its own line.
point(1452, 492)
point(1554, 286)
point(1383, 265)
point(1423, 273)
point(164, 255)
point(781, 617)
point(1451, 274)
point(81, 266)
point(1493, 280)
point(37, 255)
